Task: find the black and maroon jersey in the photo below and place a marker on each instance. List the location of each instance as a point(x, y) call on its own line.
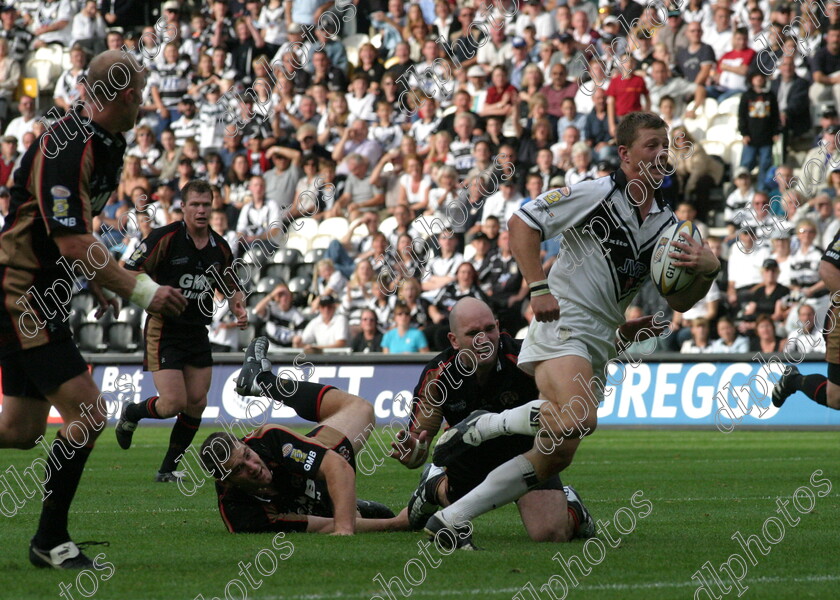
point(443, 392)
point(63, 181)
point(169, 256)
point(294, 461)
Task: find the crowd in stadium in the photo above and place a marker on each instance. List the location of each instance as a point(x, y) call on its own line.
point(343, 123)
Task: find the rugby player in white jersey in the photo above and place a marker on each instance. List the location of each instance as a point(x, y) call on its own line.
point(610, 227)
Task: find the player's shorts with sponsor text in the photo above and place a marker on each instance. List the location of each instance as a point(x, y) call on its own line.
point(172, 346)
point(578, 332)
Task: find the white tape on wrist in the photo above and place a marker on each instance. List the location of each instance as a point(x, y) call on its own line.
point(418, 455)
point(144, 290)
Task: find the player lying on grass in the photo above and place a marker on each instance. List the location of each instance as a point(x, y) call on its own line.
point(278, 480)
point(819, 388)
point(550, 512)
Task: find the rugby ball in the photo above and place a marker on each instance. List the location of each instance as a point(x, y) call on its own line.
point(667, 277)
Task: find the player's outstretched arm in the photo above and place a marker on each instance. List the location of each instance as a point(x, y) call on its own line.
point(341, 483)
point(525, 246)
point(144, 292)
point(326, 525)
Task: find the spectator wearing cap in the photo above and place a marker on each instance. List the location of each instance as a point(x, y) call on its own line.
point(515, 66)
point(327, 330)
point(792, 95)
point(825, 67)
point(828, 116)
point(480, 254)
point(745, 259)
point(759, 124)
point(18, 37)
point(766, 298)
point(672, 34)
point(568, 55)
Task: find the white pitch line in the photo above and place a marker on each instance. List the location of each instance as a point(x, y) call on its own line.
point(582, 587)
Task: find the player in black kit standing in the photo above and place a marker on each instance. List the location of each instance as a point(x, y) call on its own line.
point(190, 256)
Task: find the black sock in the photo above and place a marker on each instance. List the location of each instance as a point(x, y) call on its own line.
point(66, 463)
point(182, 436)
point(143, 410)
point(814, 386)
point(306, 399)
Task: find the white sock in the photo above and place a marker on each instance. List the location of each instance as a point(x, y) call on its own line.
point(524, 420)
point(503, 484)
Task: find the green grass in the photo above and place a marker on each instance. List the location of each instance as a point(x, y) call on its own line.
point(704, 486)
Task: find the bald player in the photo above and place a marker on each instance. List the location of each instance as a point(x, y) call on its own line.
point(63, 181)
point(479, 372)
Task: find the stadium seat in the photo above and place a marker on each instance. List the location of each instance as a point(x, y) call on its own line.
point(714, 148)
point(335, 227)
point(388, 225)
point(376, 40)
point(314, 255)
point(254, 298)
point(729, 106)
point(722, 133)
point(267, 284)
point(304, 270)
point(306, 227)
point(321, 241)
point(121, 337)
point(256, 254)
point(275, 271)
point(82, 302)
point(727, 120)
point(92, 338)
point(298, 242)
point(105, 320)
point(28, 86)
point(288, 256)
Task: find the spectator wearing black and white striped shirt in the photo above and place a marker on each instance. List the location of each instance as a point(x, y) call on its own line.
point(20, 40)
point(67, 87)
point(169, 83)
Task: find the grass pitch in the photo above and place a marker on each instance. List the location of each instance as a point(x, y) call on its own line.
point(703, 487)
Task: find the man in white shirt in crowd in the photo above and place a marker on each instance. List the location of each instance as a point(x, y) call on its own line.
point(327, 330)
point(259, 220)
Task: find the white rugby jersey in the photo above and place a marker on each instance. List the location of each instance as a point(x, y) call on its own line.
point(606, 248)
